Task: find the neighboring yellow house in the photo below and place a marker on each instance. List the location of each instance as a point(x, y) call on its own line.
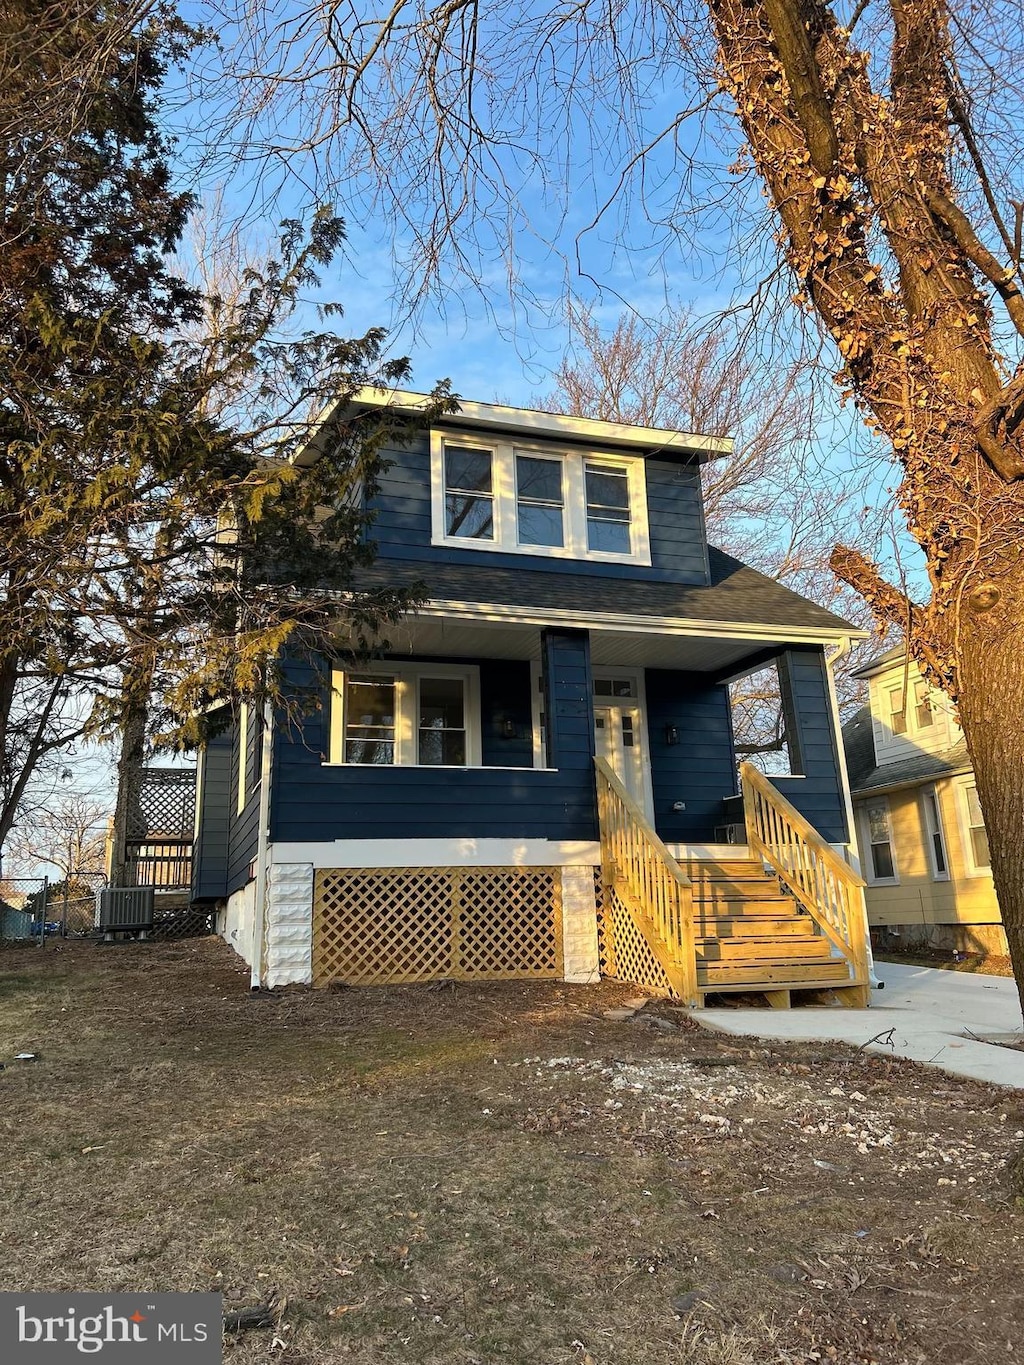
point(923, 844)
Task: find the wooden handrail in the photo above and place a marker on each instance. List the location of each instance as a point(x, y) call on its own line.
point(649, 882)
point(826, 886)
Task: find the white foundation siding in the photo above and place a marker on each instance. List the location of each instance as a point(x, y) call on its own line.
point(235, 921)
point(289, 925)
point(579, 926)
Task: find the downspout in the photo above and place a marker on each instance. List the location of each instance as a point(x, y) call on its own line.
point(842, 650)
point(262, 854)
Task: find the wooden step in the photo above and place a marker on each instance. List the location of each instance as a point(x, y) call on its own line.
point(716, 871)
point(737, 890)
point(752, 909)
point(806, 948)
point(733, 926)
point(773, 975)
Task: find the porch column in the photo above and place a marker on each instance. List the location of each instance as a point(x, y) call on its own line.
point(818, 795)
point(569, 717)
point(568, 698)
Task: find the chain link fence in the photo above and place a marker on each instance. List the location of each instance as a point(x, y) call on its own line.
point(36, 909)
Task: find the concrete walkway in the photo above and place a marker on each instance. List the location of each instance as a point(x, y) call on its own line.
point(935, 1017)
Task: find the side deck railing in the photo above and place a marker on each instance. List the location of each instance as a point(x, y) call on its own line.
point(827, 887)
point(637, 866)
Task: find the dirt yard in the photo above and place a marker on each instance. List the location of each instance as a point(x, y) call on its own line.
point(494, 1173)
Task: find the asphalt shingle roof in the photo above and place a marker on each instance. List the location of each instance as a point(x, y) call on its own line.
point(736, 592)
point(866, 775)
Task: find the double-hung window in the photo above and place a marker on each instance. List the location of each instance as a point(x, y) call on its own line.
point(531, 500)
point(934, 834)
point(469, 493)
point(540, 501)
point(410, 715)
point(608, 509)
point(897, 707)
point(979, 857)
point(881, 856)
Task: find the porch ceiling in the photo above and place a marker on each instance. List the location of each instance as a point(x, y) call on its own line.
point(451, 638)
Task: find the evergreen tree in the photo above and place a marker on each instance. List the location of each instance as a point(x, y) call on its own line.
point(141, 514)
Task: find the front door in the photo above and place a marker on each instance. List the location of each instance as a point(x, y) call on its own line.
point(619, 741)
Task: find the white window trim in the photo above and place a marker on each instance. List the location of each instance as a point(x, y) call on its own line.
point(929, 832)
point(971, 868)
point(503, 496)
point(868, 861)
point(407, 679)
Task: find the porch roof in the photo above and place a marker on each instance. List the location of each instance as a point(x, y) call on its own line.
point(737, 595)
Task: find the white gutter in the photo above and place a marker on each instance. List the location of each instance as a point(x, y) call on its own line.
point(842, 650)
point(262, 852)
point(642, 625)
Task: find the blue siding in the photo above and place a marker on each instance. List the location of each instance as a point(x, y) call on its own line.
point(314, 801)
point(505, 703)
point(401, 529)
point(818, 793)
point(210, 852)
point(243, 831)
point(700, 770)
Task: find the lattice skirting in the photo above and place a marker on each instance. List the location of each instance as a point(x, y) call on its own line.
point(383, 926)
point(623, 951)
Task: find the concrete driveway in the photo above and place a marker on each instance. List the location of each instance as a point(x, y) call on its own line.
point(935, 1016)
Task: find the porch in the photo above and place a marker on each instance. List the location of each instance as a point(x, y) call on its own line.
point(500, 863)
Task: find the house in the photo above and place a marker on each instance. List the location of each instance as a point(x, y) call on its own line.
point(924, 847)
point(539, 779)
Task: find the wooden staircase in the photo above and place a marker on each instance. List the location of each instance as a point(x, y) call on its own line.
point(787, 915)
point(750, 934)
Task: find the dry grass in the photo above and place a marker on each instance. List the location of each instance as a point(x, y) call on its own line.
point(494, 1173)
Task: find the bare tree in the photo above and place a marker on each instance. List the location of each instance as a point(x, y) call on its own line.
point(68, 833)
point(768, 503)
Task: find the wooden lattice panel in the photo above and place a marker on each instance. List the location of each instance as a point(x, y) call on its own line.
point(392, 926)
point(509, 924)
point(625, 950)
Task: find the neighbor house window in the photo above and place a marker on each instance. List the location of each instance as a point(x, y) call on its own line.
point(897, 711)
point(529, 500)
point(407, 715)
point(934, 834)
point(977, 835)
point(923, 716)
point(881, 858)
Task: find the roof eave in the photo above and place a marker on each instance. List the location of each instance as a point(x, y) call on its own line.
point(683, 445)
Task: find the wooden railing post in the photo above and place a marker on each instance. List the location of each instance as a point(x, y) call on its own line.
point(638, 869)
point(827, 887)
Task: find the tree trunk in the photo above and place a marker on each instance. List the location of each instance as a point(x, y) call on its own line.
point(991, 667)
point(861, 172)
point(127, 812)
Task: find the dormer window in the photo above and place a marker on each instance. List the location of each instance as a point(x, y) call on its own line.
point(897, 711)
point(540, 501)
point(525, 499)
point(469, 493)
point(608, 508)
point(923, 716)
